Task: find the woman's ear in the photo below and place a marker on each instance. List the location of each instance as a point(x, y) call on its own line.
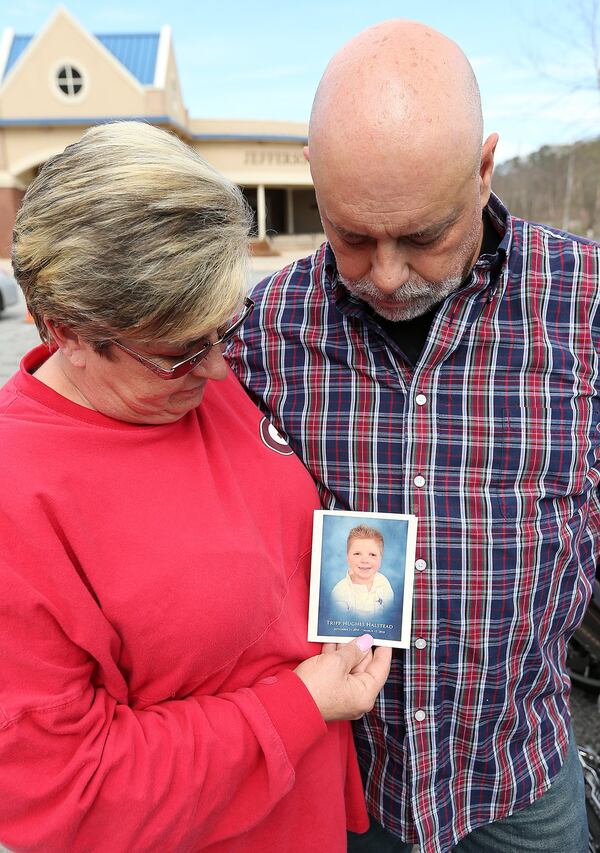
point(68, 342)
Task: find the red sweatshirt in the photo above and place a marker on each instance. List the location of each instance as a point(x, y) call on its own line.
point(153, 600)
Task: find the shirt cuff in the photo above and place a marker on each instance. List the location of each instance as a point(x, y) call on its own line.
point(293, 712)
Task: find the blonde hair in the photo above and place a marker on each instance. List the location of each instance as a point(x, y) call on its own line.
point(363, 531)
point(130, 231)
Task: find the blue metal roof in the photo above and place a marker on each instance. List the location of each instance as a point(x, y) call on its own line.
point(136, 51)
point(19, 43)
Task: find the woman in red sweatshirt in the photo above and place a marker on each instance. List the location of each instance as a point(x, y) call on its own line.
point(157, 691)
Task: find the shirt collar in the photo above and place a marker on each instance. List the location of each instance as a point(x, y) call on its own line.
point(501, 221)
point(350, 305)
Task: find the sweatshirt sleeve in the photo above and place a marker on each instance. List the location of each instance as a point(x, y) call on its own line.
point(78, 764)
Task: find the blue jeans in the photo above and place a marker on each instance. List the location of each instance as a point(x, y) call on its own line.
point(555, 823)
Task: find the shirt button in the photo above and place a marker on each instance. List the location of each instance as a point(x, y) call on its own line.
point(420, 565)
point(419, 481)
point(420, 399)
point(420, 643)
point(420, 715)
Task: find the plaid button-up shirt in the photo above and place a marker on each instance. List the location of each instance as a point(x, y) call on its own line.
point(492, 439)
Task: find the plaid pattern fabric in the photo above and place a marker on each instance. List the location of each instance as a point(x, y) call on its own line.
point(493, 441)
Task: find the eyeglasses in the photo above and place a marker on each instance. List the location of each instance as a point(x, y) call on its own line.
point(180, 368)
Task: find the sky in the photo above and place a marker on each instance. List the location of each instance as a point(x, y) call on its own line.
point(263, 60)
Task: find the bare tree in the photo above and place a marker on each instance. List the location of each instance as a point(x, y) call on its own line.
point(569, 53)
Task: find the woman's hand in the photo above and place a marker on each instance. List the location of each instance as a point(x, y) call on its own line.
point(344, 682)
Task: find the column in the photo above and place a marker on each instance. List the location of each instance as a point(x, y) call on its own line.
point(289, 219)
point(261, 212)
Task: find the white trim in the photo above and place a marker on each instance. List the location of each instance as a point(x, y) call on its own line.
point(25, 53)
point(162, 57)
point(22, 166)
point(5, 45)
point(34, 41)
point(8, 180)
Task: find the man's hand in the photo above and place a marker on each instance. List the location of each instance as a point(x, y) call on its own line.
point(343, 686)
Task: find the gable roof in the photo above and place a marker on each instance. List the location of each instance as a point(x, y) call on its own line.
point(138, 52)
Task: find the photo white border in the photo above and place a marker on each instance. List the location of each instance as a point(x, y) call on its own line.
point(315, 575)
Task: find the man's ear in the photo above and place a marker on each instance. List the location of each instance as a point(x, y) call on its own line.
point(486, 168)
point(67, 341)
point(305, 152)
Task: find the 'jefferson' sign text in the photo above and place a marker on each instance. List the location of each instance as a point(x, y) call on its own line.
point(273, 157)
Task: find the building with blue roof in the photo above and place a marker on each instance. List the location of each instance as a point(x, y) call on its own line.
point(57, 82)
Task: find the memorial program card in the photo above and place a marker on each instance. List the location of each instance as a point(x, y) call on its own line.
point(362, 573)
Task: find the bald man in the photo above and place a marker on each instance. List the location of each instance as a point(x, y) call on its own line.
point(440, 357)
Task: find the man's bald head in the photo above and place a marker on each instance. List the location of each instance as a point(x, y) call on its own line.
point(397, 97)
point(400, 172)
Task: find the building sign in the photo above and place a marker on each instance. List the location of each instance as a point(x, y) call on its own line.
point(273, 157)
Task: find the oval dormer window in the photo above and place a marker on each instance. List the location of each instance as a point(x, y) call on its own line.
point(69, 80)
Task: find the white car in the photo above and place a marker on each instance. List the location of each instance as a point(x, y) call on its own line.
point(9, 294)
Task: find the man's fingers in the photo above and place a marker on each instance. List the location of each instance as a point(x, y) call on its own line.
point(328, 648)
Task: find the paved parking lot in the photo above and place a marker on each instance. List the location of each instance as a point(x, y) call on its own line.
point(16, 337)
